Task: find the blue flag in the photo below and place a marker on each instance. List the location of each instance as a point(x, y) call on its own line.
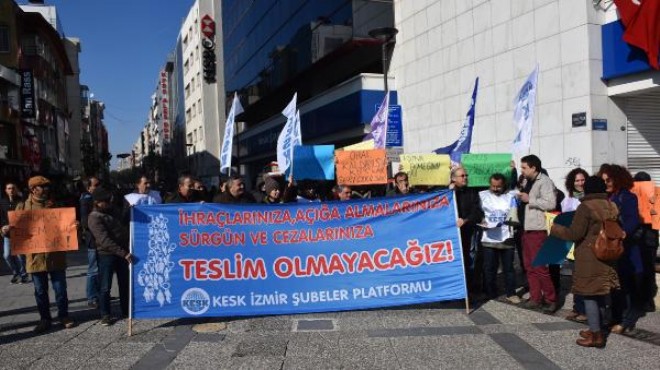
point(462, 145)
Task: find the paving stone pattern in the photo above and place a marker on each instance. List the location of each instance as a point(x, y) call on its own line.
point(496, 335)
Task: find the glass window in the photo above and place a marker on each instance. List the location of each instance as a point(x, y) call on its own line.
point(5, 46)
point(199, 106)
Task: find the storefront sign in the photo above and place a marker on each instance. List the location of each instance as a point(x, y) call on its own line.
point(28, 107)
point(208, 60)
point(165, 106)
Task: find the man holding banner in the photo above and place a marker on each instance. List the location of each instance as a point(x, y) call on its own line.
point(538, 197)
point(469, 215)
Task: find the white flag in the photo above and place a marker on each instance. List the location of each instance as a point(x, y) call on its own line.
point(289, 137)
point(523, 113)
point(227, 141)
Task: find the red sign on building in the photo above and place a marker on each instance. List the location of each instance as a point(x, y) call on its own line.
point(208, 26)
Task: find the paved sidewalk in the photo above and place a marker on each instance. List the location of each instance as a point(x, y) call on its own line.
point(495, 336)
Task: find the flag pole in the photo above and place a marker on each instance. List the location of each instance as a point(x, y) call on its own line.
point(130, 279)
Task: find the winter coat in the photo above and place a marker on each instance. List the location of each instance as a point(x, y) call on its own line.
point(542, 199)
point(591, 276)
point(41, 262)
point(227, 198)
point(630, 263)
point(110, 236)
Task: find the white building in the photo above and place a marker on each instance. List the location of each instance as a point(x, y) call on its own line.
point(443, 45)
point(203, 78)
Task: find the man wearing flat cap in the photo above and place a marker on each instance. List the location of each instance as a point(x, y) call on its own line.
point(112, 245)
point(42, 265)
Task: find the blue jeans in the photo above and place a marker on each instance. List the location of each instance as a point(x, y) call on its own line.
point(492, 258)
point(58, 278)
point(16, 263)
point(109, 264)
point(92, 277)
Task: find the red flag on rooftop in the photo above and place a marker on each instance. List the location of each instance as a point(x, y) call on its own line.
point(642, 21)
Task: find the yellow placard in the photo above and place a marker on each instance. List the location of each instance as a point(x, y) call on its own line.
point(43, 230)
point(426, 169)
point(364, 145)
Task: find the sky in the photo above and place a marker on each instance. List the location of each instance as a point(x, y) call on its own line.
point(124, 45)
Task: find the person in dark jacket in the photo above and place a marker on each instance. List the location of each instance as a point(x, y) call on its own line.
point(401, 185)
point(593, 279)
point(186, 192)
point(470, 215)
point(628, 303)
point(112, 245)
point(235, 193)
point(86, 206)
point(16, 263)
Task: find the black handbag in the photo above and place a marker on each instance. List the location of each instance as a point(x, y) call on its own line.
point(645, 236)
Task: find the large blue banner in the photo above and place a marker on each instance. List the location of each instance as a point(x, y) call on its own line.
point(237, 260)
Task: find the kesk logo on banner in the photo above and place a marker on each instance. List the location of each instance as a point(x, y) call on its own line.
point(209, 260)
point(523, 113)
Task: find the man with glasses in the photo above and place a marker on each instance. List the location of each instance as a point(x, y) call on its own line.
point(16, 263)
point(41, 265)
point(470, 215)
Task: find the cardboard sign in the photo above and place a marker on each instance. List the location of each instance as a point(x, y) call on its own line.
point(43, 230)
point(645, 191)
point(426, 169)
point(361, 167)
point(655, 224)
point(480, 167)
point(314, 162)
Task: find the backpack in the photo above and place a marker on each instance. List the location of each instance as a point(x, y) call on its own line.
point(608, 246)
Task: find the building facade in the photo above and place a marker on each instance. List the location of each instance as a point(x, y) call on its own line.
point(591, 107)
point(203, 88)
point(320, 50)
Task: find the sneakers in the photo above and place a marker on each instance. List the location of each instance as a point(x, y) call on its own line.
point(25, 280)
point(550, 308)
point(513, 299)
point(93, 304)
point(67, 323)
point(42, 327)
point(15, 279)
point(531, 305)
point(106, 321)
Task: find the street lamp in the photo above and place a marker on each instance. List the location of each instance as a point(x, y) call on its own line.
point(386, 35)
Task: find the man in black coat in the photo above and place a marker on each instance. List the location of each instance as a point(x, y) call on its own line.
point(235, 192)
point(470, 215)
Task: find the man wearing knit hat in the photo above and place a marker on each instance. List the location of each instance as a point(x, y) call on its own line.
point(41, 265)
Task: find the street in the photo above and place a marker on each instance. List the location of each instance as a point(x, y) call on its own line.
point(496, 335)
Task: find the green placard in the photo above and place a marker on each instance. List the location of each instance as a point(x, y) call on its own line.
point(480, 167)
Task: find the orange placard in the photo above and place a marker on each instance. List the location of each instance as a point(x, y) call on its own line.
point(645, 191)
point(43, 230)
point(361, 167)
point(656, 206)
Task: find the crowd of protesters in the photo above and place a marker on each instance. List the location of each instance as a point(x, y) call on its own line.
point(496, 223)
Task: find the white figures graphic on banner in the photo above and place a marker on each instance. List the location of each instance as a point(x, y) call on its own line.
point(155, 274)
